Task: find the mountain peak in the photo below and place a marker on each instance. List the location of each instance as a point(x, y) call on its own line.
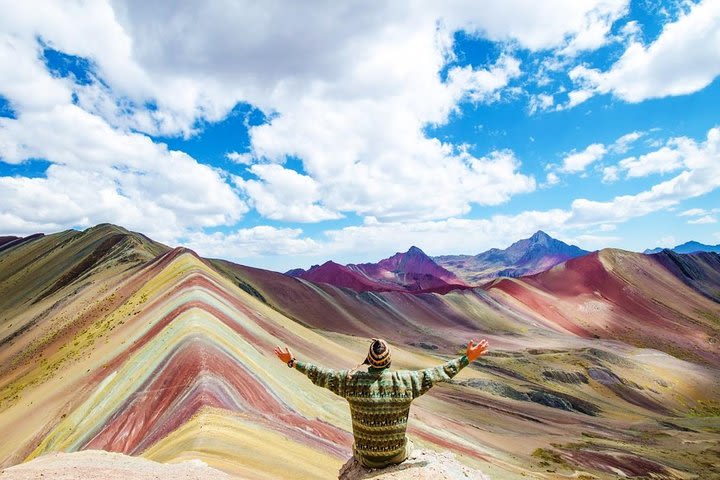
point(688, 247)
point(540, 236)
point(415, 249)
point(524, 257)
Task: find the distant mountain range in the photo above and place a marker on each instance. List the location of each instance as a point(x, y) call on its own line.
point(415, 271)
point(687, 247)
point(412, 271)
point(524, 257)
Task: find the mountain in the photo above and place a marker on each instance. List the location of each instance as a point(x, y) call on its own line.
point(687, 247)
point(111, 341)
point(11, 241)
point(667, 301)
point(524, 257)
point(412, 271)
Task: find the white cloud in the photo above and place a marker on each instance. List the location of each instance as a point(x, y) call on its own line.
point(537, 25)
point(678, 62)
point(610, 174)
point(575, 98)
point(703, 220)
point(676, 154)
point(552, 179)
point(701, 174)
point(540, 102)
point(660, 161)
point(480, 85)
point(622, 144)
point(631, 30)
point(240, 158)
point(99, 174)
point(578, 161)
point(595, 32)
point(248, 243)
point(284, 194)
point(349, 89)
point(693, 212)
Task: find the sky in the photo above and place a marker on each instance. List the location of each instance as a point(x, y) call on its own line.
point(282, 134)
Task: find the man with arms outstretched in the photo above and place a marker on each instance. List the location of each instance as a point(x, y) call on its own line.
point(380, 398)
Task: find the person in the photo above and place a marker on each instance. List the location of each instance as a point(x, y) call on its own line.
point(380, 398)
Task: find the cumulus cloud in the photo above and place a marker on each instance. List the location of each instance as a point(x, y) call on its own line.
point(540, 103)
point(610, 174)
point(251, 242)
point(678, 62)
point(673, 156)
point(99, 174)
point(349, 89)
point(551, 179)
point(480, 85)
point(280, 193)
point(578, 161)
point(537, 25)
point(576, 97)
point(241, 158)
point(700, 175)
point(659, 161)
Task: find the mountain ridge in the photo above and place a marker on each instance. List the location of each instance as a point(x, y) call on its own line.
point(411, 271)
point(688, 247)
point(524, 257)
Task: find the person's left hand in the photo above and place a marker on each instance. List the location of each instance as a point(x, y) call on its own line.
point(284, 355)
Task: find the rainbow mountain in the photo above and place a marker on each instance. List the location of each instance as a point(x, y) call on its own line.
point(604, 365)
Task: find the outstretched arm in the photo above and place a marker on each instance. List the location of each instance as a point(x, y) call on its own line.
point(427, 378)
point(320, 376)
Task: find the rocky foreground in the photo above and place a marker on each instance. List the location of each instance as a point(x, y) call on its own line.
point(101, 465)
point(421, 465)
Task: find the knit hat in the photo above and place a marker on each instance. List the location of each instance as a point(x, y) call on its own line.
point(378, 354)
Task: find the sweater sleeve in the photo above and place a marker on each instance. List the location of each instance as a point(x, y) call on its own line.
point(333, 380)
point(442, 373)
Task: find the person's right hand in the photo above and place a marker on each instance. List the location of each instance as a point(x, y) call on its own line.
point(476, 348)
point(284, 355)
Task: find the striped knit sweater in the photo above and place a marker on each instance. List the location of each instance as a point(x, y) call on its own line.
point(380, 403)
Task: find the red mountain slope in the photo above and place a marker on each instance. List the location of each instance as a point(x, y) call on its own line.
point(626, 296)
point(412, 271)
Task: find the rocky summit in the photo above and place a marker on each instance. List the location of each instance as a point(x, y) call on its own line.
point(528, 256)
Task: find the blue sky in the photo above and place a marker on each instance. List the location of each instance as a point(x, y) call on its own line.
point(279, 135)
